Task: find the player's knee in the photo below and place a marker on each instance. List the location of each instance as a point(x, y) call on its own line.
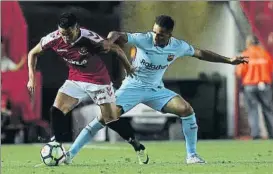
point(56, 111)
point(100, 119)
point(119, 110)
point(63, 108)
point(109, 116)
point(185, 110)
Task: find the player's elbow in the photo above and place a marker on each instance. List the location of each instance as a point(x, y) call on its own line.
point(31, 55)
point(116, 37)
point(198, 53)
point(113, 34)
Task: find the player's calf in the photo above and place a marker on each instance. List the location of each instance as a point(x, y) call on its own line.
point(62, 105)
point(182, 108)
point(56, 118)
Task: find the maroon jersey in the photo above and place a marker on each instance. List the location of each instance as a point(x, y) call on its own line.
point(81, 56)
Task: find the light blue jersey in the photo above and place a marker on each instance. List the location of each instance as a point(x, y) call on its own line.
point(151, 63)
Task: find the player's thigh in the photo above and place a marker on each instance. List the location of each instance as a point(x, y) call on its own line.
point(127, 98)
point(168, 101)
point(69, 96)
point(178, 106)
point(104, 97)
point(65, 102)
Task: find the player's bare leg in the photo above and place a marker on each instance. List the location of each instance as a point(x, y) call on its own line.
point(62, 105)
point(183, 109)
point(109, 112)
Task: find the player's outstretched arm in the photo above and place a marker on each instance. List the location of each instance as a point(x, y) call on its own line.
point(213, 57)
point(117, 37)
point(123, 58)
point(32, 61)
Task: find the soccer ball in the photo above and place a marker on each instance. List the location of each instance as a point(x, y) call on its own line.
point(52, 154)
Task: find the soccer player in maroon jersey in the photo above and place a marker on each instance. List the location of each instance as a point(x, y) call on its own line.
point(88, 76)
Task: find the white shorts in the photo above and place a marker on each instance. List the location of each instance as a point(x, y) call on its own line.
point(84, 91)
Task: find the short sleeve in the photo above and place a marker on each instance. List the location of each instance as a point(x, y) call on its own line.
point(185, 49)
point(138, 39)
point(96, 41)
point(47, 41)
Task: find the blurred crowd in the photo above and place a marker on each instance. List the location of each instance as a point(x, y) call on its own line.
point(11, 126)
point(256, 83)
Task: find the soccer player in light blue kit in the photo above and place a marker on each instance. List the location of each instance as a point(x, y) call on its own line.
point(155, 51)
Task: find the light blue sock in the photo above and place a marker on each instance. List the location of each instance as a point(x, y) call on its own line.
point(85, 136)
point(190, 129)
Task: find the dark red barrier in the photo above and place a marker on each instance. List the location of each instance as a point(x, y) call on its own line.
point(14, 30)
point(14, 86)
point(260, 17)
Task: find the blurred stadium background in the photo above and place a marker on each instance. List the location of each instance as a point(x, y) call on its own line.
point(212, 89)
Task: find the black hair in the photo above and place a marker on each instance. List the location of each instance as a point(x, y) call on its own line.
point(165, 22)
point(67, 20)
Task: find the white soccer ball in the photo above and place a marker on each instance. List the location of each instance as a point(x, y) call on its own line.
point(52, 154)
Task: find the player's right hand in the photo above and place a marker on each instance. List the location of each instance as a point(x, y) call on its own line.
point(131, 71)
point(31, 86)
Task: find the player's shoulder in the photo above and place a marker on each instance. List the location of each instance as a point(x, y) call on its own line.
point(54, 35)
point(91, 35)
point(51, 37)
point(141, 35)
point(178, 42)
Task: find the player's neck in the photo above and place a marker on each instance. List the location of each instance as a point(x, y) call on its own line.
point(166, 44)
point(78, 35)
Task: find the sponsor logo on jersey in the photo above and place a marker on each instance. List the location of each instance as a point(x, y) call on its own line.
point(62, 50)
point(83, 51)
point(170, 57)
point(75, 62)
point(152, 66)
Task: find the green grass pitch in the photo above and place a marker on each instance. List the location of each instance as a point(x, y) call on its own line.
point(236, 157)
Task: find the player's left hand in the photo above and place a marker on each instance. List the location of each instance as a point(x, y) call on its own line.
point(238, 60)
point(131, 71)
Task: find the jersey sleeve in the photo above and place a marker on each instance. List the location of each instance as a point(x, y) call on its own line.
point(137, 39)
point(95, 40)
point(48, 41)
point(93, 37)
point(185, 49)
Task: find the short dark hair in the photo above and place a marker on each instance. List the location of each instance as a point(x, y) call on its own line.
point(67, 20)
point(165, 22)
